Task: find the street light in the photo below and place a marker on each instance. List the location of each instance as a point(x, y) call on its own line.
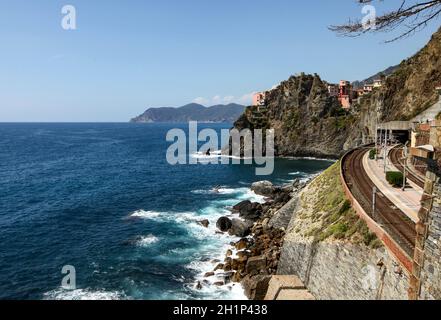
point(374, 199)
point(406, 152)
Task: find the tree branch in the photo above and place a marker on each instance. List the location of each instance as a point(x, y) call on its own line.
point(413, 17)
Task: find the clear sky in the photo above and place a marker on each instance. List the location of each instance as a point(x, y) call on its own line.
point(128, 55)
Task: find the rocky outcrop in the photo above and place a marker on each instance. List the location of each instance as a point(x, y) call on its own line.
point(306, 119)
point(407, 92)
point(309, 122)
point(248, 210)
point(240, 228)
point(256, 258)
point(263, 188)
point(224, 224)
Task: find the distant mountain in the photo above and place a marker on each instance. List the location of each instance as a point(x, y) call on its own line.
point(370, 80)
point(192, 112)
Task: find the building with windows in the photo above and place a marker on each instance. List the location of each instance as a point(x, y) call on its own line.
point(345, 94)
point(378, 83)
point(259, 99)
point(333, 90)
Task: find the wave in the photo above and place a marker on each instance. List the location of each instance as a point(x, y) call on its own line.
point(145, 214)
point(297, 173)
point(216, 155)
point(311, 158)
point(83, 294)
point(147, 241)
point(211, 244)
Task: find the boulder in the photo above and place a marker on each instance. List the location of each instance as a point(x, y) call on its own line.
point(254, 214)
point(240, 228)
point(205, 223)
point(209, 274)
point(263, 188)
point(224, 224)
point(256, 287)
point(241, 244)
point(248, 210)
point(237, 277)
point(298, 184)
point(198, 286)
point(242, 206)
point(220, 266)
point(282, 197)
point(227, 276)
point(256, 264)
point(243, 256)
point(219, 283)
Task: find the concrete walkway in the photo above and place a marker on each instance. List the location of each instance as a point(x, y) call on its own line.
point(287, 288)
point(407, 201)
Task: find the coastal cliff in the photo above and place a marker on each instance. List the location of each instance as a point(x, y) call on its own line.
point(407, 92)
point(309, 122)
point(325, 244)
point(306, 119)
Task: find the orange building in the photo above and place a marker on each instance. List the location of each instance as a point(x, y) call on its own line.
point(259, 99)
point(345, 94)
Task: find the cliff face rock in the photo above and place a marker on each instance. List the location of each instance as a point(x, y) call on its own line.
point(407, 92)
point(306, 119)
point(308, 122)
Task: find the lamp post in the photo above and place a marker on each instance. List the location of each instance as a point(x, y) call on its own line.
point(385, 151)
point(374, 200)
point(376, 137)
point(406, 152)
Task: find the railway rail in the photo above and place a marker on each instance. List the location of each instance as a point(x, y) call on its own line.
point(399, 227)
point(396, 156)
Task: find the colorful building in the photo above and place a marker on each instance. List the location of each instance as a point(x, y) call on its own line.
point(368, 88)
point(345, 94)
point(333, 90)
point(378, 83)
point(259, 99)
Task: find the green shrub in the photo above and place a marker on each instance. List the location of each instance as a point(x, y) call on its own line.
point(338, 230)
point(372, 154)
point(395, 178)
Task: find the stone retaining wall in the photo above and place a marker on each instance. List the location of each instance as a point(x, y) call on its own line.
point(340, 271)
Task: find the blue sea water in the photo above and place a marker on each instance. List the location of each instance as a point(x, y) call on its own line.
point(102, 198)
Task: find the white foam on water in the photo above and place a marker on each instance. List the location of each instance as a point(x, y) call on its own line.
point(310, 158)
point(248, 194)
point(147, 241)
point(297, 173)
point(213, 244)
point(145, 214)
point(83, 294)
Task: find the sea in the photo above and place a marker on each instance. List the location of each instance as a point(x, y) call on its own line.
point(101, 200)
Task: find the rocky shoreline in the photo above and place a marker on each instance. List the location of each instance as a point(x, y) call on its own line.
point(261, 227)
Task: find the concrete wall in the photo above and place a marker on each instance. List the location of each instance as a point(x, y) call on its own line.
point(337, 269)
point(342, 271)
point(431, 268)
point(429, 114)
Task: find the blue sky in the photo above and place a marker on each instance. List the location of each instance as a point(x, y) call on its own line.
point(126, 56)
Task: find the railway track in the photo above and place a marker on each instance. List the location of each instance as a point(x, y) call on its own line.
point(395, 156)
point(392, 219)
